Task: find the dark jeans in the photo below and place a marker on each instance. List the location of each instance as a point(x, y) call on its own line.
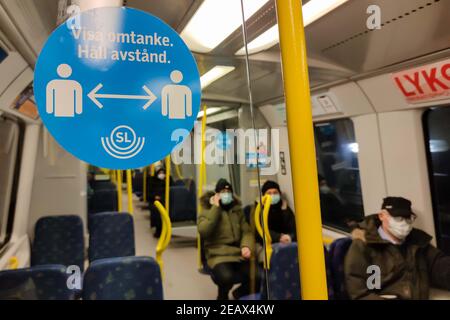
point(155, 220)
point(225, 275)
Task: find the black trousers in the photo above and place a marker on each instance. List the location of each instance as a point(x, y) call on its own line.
point(227, 274)
point(155, 219)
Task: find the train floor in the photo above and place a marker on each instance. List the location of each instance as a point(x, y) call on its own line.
point(181, 278)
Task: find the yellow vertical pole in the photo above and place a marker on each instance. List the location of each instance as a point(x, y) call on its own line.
point(113, 176)
point(201, 180)
point(167, 184)
point(302, 150)
point(119, 190)
point(152, 170)
point(129, 192)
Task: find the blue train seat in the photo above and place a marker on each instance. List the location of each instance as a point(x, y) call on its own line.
point(126, 278)
point(337, 252)
point(111, 234)
point(182, 205)
point(102, 200)
point(44, 282)
point(284, 276)
point(102, 185)
point(138, 183)
point(58, 240)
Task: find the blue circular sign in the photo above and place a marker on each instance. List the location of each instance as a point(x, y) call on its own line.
point(113, 84)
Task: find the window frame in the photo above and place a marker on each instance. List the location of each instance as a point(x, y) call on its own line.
point(15, 181)
point(433, 189)
point(334, 227)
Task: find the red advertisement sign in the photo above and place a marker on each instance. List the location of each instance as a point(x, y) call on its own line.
point(425, 83)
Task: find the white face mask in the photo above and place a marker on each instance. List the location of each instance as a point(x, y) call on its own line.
point(325, 189)
point(161, 176)
point(399, 229)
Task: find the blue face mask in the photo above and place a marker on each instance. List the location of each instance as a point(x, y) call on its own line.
point(275, 198)
point(226, 198)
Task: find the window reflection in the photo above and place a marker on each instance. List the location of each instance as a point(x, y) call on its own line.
point(339, 181)
point(437, 127)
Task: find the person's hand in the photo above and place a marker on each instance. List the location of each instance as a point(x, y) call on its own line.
point(285, 238)
point(157, 198)
point(284, 204)
point(216, 199)
point(246, 253)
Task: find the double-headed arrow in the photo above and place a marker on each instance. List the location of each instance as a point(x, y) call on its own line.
point(93, 95)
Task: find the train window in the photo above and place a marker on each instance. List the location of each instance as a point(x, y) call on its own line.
point(9, 141)
point(437, 131)
point(337, 162)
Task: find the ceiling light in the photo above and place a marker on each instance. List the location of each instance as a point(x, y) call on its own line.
point(264, 41)
point(312, 11)
point(208, 111)
point(215, 73)
point(215, 20)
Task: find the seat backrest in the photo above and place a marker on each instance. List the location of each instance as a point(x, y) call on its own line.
point(179, 182)
point(45, 282)
point(284, 277)
point(111, 235)
point(126, 278)
point(102, 185)
point(102, 200)
point(138, 181)
point(338, 250)
point(58, 240)
point(182, 206)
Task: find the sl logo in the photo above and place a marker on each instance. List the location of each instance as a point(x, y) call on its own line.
point(123, 143)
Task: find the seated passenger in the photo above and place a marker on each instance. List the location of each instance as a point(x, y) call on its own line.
point(408, 263)
point(281, 218)
point(156, 190)
point(227, 240)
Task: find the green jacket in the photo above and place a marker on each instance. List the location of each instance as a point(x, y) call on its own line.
point(407, 270)
point(223, 233)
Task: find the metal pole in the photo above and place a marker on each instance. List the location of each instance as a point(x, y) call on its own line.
point(119, 190)
point(302, 150)
point(129, 192)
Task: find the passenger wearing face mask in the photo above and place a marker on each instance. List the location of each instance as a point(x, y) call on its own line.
point(156, 190)
point(281, 219)
point(408, 263)
point(227, 240)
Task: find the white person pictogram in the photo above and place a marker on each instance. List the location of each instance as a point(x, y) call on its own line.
point(176, 98)
point(64, 98)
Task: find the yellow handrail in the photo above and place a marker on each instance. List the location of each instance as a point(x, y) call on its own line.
point(13, 263)
point(166, 234)
point(119, 190)
point(167, 183)
point(202, 178)
point(303, 156)
point(268, 239)
point(178, 171)
point(129, 192)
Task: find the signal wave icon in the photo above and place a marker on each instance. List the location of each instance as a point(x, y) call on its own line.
point(124, 135)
